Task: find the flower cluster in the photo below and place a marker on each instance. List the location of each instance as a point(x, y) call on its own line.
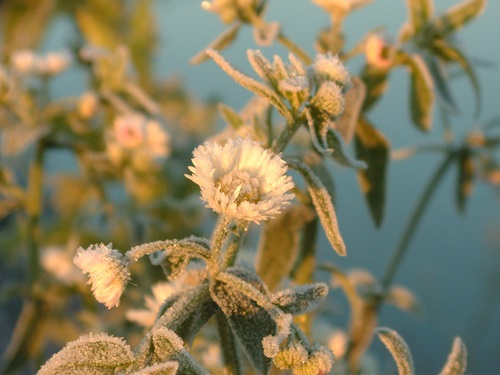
point(241, 179)
point(28, 62)
point(108, 272)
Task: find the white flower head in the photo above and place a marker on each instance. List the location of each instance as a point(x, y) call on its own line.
point(328, 67)
point(24, 61)
point(241, 179)
point(107, 270)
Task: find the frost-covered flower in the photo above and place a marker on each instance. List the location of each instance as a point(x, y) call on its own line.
point(107, 270)
point(136, 135)
point(328, 67)
point(230, 10)
point(28, 62)
point(146, 317)
point(241, 179)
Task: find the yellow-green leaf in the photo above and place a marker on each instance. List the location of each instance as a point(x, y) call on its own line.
point(459, 15)
point(420, 12)
point(421, 93)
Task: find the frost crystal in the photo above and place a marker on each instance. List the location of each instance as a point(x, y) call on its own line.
point(241, 179)
point(107, 270)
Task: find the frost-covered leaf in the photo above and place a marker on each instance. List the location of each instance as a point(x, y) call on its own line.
point(354, 99)
point(373, 148)
point(404, 299)
point(169, 346)
point(399, 350)
point(420, 12)
point(465, 178)
point(323, 204)
point(90, 354)
point(266, 34)
point(249, 322)
point(222, 41)
point(457, 359)
point(459, 15)
point(339, 153)
point(230, 354)
point(165, 368)
point(187, 311)
point(250, 84)
point(300, 299)
point(278, 246)
point(421, 93)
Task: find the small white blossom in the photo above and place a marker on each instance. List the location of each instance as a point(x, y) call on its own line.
point(57, 261)
point(28, 62)
point(24, 61)
point(377, 52)
point(107, 270)
point(137, 136)
point(241, 179)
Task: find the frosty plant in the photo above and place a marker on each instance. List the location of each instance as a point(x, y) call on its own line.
point(213, 311)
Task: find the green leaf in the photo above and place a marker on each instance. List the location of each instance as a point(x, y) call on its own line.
point(142, 38)
point(421, 93)
point(323, 204)
point(221, 42)
point(420, 12)
point(278, 246)
point(373, 148)
point(465, 178)
point(251, 84)
point(340, 154)
point(457, 359)
point(376, 82)
point(354, 99)
point(90, 354)
point(451, 53)
point(438, 74)
point(23, 23)
point(300, 299)
point(230, 116)
point(399, 350)
point(249, 321)
point(459, 15)
point(100, 22)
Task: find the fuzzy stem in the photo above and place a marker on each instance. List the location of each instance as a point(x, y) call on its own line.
point(235, 244)
point(220, 234)
point(413, 223)
point(284, 138)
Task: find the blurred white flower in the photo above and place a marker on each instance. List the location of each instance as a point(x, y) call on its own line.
point(107, 270)
point(230, 10)
point(241, 179)
point(377, 53)
point(136, 135)
point(146, 317)
point(28, 62)
point(59, 262)
point(343, 6)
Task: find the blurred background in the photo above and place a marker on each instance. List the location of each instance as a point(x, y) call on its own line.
point(453, 264)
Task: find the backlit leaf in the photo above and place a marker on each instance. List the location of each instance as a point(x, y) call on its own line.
point(420, 12)
point(465, 178)
point(459, 15)
point(399, 350)
point(457, 359)
point(222, 41)
point(373, 148)
point(421, 93)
